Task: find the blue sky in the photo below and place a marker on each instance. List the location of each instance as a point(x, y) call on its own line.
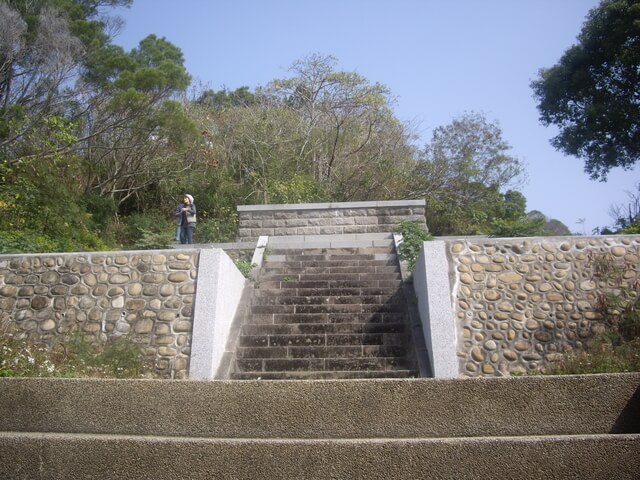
point(440, 58)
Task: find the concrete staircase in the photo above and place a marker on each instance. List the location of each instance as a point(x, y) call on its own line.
point(571, 427)
point(327, 313)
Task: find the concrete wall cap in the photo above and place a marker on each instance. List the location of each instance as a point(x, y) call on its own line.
point(329, 206)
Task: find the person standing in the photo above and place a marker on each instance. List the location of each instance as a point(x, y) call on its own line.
point(178, 215)
point(187, 220)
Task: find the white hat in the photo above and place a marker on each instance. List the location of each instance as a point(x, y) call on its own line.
point(189, 197)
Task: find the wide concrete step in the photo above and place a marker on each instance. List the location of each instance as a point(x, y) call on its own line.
point(48, 456)
point(417, 408)
point(585, 427)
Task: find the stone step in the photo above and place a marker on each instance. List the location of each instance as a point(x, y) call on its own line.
point(365, 283)
point(389, 292)
point(370, 278)
point(281, 269)
point(333, 339)
point(297, 318)
point(357, 364)
point(285, 299)
point(328, 308)
point(375, 252)
point(321, 328)
point(351, 351)
point(326, 375)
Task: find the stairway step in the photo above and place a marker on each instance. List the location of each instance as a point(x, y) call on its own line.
point(320, 328)
point(358, 351)
point(357, 364)
point(325, 375)
point(376, 317)
point(332, 278)
point(359, 251)
point(395, 339)
point(328, 300)
point(481, 407)
point(387, 292)
point(270, 271)
point(72, 455)
point(330, 308)
point(365, 283)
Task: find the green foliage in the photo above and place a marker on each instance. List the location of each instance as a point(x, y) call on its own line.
point(519, 227)
point(596, 79)
point(619, 299)
point(601, 356)
point(298, 189)
point(413, 236)
point(245, 267)
point(147, 231)
point(216, 231)
point(461, 174)
point(240, 97)
point(76, 355)
point(154, 240)
point(632, 229)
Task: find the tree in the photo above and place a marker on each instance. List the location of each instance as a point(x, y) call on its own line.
point(461, 174)
point(348, 137)
point(593, 93)
point(44, 46)
point(320, 134)
point(627, 217)
point(136, 134)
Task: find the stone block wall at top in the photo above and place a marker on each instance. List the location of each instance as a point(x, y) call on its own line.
point(148, 295)
point(520, 303)
point(326, 218)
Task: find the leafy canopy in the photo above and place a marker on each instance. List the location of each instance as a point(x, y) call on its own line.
point(593, 93)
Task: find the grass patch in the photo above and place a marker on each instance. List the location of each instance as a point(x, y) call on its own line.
point(76, 355)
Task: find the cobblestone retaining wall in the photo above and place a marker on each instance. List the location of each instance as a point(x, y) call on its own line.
point(147, 294)
point(521, 303)
point(326, 218)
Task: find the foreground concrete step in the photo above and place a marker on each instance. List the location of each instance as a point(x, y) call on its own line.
point(420, 408)
point(584, 427)
point(73, 456)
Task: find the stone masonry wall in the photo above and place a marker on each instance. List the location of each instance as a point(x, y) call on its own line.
point(520, 303)
point(146, 294)
point(326, 218)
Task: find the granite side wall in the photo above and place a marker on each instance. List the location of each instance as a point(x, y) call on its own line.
point(149, 295)
point(326, 218)
point(518, 304)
